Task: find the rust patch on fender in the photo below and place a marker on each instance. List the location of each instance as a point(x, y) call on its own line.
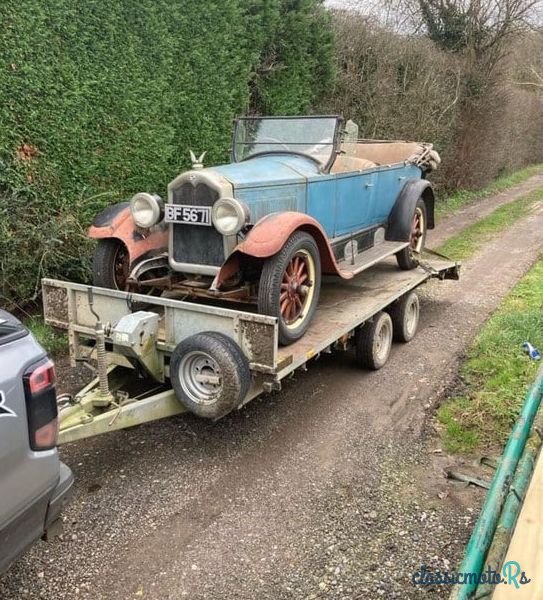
point(137, 241)
point(270, 234)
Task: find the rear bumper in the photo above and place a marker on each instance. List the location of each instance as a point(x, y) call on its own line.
point(32, 522)
point(61, 495)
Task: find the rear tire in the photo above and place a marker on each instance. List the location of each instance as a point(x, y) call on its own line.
point(210, 375)
point(374, 341)
point(289, 286)
point(408, 257)
point(405, 314)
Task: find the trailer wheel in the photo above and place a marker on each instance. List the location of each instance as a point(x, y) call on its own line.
point(373, 342)
point(405, 317)
point(210, 374)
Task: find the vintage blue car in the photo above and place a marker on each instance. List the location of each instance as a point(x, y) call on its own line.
point(302, 197)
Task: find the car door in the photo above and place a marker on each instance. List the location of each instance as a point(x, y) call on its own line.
point(389, 182)
point(354, 202)
point(321, 201)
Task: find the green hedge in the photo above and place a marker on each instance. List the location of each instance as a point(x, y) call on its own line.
point(100, 99)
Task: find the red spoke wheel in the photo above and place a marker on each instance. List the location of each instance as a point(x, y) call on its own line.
point(408, 258)
point(290, 285)
point(111, 264)
point(295, 290)
point(111, 268)
point(417, 230)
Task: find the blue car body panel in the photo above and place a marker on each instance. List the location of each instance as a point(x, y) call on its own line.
point(264, 171)
point(342, 203)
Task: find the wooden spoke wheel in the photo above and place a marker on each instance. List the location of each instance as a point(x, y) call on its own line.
point(408, 258)
point(111, 264)
point(290, 285)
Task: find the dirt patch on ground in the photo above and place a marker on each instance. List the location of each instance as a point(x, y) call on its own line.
point(480, 209)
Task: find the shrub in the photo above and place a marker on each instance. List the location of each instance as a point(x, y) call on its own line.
point(101, 99)
point(399, 86)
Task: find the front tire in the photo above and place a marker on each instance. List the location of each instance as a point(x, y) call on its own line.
point(289, 286)
point(111, 268)
point(111, 264)
point(408, 257)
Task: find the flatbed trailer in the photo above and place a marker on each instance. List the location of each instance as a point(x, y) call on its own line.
point(129, 339)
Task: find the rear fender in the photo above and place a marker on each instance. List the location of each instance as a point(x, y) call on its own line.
point(399, 221)
point(116, 222)
point(270, 234)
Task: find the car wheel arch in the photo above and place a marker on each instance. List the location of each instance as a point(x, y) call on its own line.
point(270, 234)
point(116, 222)
point(399, 221)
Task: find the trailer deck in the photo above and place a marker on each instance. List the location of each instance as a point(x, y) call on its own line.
point(343, 307)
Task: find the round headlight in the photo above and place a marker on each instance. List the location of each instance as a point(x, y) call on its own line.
point(147, 209)
point(229, 216)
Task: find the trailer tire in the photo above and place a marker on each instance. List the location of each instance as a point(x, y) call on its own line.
point(374, 341)
point(210, 375)
point(405, 317)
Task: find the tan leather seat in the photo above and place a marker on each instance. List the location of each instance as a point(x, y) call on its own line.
point(387, 153)
point(368, 155)
point(346, 164)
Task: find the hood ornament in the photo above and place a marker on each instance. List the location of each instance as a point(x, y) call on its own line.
point(197, 163)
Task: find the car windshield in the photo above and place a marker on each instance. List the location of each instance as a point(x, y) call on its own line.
point(310, 136)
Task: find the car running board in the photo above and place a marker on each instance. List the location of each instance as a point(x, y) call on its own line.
point(370, 257)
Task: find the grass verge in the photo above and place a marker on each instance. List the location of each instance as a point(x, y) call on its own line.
point(53, 341)
point(497, 372)
point(462, 197)
point(469, 240)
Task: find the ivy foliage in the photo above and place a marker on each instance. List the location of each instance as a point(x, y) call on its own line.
point(101, 99)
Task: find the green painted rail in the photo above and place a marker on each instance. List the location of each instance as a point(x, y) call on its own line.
point(497, 508)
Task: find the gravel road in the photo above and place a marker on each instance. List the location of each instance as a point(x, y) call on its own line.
point(329, 489)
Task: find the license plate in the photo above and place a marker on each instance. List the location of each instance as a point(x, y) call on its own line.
point(191, 215)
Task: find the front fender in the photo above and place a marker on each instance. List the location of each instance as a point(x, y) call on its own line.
point(116, 222)
point(270, 234)
point(399, 221)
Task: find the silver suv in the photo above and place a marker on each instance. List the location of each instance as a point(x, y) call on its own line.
point(34, 484)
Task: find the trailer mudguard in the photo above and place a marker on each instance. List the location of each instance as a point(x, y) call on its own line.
point(399, 221)
point(116, 222)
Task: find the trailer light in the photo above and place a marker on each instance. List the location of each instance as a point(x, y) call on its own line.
point(147, 209)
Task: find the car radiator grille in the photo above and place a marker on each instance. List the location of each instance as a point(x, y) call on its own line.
point(197, 244)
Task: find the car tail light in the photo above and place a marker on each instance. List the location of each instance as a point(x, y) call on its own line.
point(41, 405)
